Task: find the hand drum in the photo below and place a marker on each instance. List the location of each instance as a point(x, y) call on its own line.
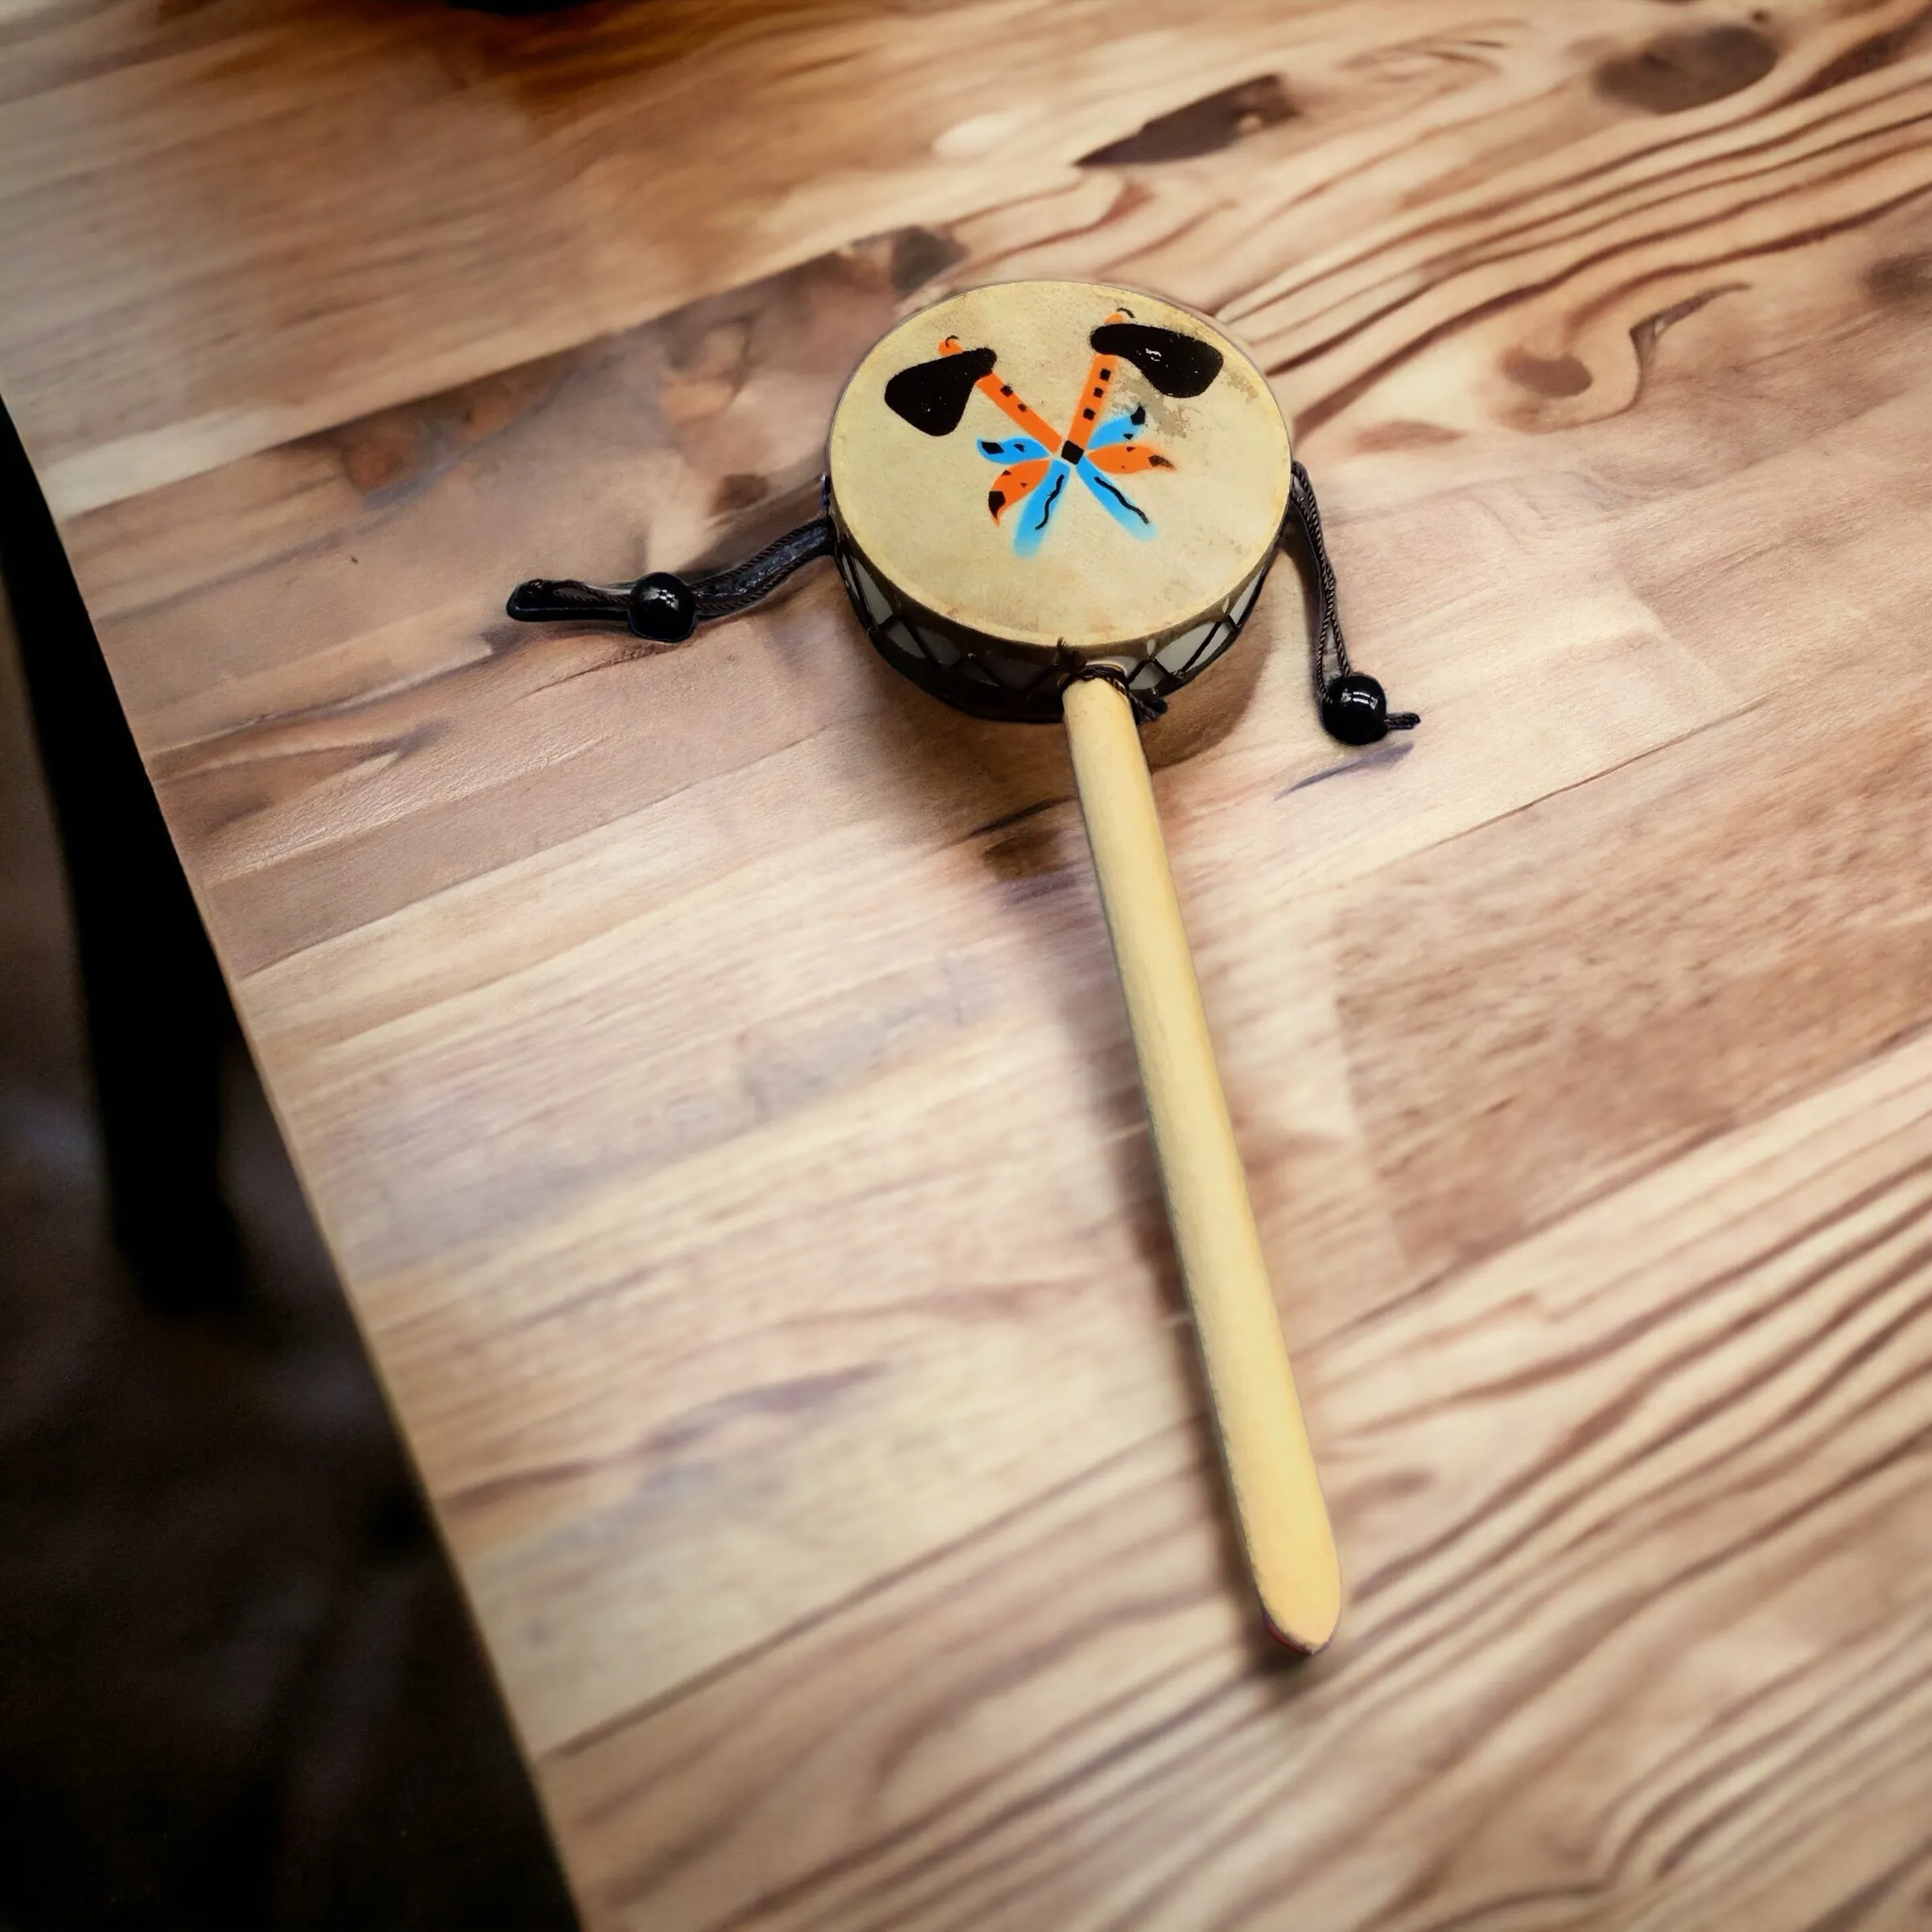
point(1043, 478)
point(1053, 500)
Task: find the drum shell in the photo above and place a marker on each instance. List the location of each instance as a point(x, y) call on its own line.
point(996, 678)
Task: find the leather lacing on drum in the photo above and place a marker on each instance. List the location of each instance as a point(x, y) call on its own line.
point(665, 608)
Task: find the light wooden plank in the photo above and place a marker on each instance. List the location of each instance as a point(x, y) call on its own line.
point(706, 1064)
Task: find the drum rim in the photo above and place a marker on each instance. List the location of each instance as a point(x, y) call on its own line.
point(1033, 645)
point(1039, 702)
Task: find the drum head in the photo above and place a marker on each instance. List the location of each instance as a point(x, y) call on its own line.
point(1061, 465)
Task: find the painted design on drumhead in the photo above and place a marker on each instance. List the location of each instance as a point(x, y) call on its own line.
point(1038, 464)
point(964, 467)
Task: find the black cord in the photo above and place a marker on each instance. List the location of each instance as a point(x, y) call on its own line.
point(726, 592)
point(1353, 707)
point(664, 608)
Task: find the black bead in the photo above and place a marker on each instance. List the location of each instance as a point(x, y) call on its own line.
point(1355, 709)
point(661, 608)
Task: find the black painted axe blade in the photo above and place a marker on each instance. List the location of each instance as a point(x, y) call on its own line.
point(931, 395)
point(1176, 365)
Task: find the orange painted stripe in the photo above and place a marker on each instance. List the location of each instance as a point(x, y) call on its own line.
point(1014, 484)
point(1088, 412)
point(1099, 384)
point(1000, 394)
point(1128, 459)
point(1015, 407)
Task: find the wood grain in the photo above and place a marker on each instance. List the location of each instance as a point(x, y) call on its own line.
point(706, 1064)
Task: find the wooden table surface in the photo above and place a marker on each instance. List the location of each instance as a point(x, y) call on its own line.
point(707, 1065)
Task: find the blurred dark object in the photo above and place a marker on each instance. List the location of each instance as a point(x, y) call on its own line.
point(238, 1687)
point(157, 1013)
point(514, 8)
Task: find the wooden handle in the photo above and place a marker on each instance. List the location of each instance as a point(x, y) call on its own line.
point(1284, 1524)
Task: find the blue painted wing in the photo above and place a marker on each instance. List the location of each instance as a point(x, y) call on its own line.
point(1123, 428)
point(1037, 512)
point(1116, 502)
point(1015, 449)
